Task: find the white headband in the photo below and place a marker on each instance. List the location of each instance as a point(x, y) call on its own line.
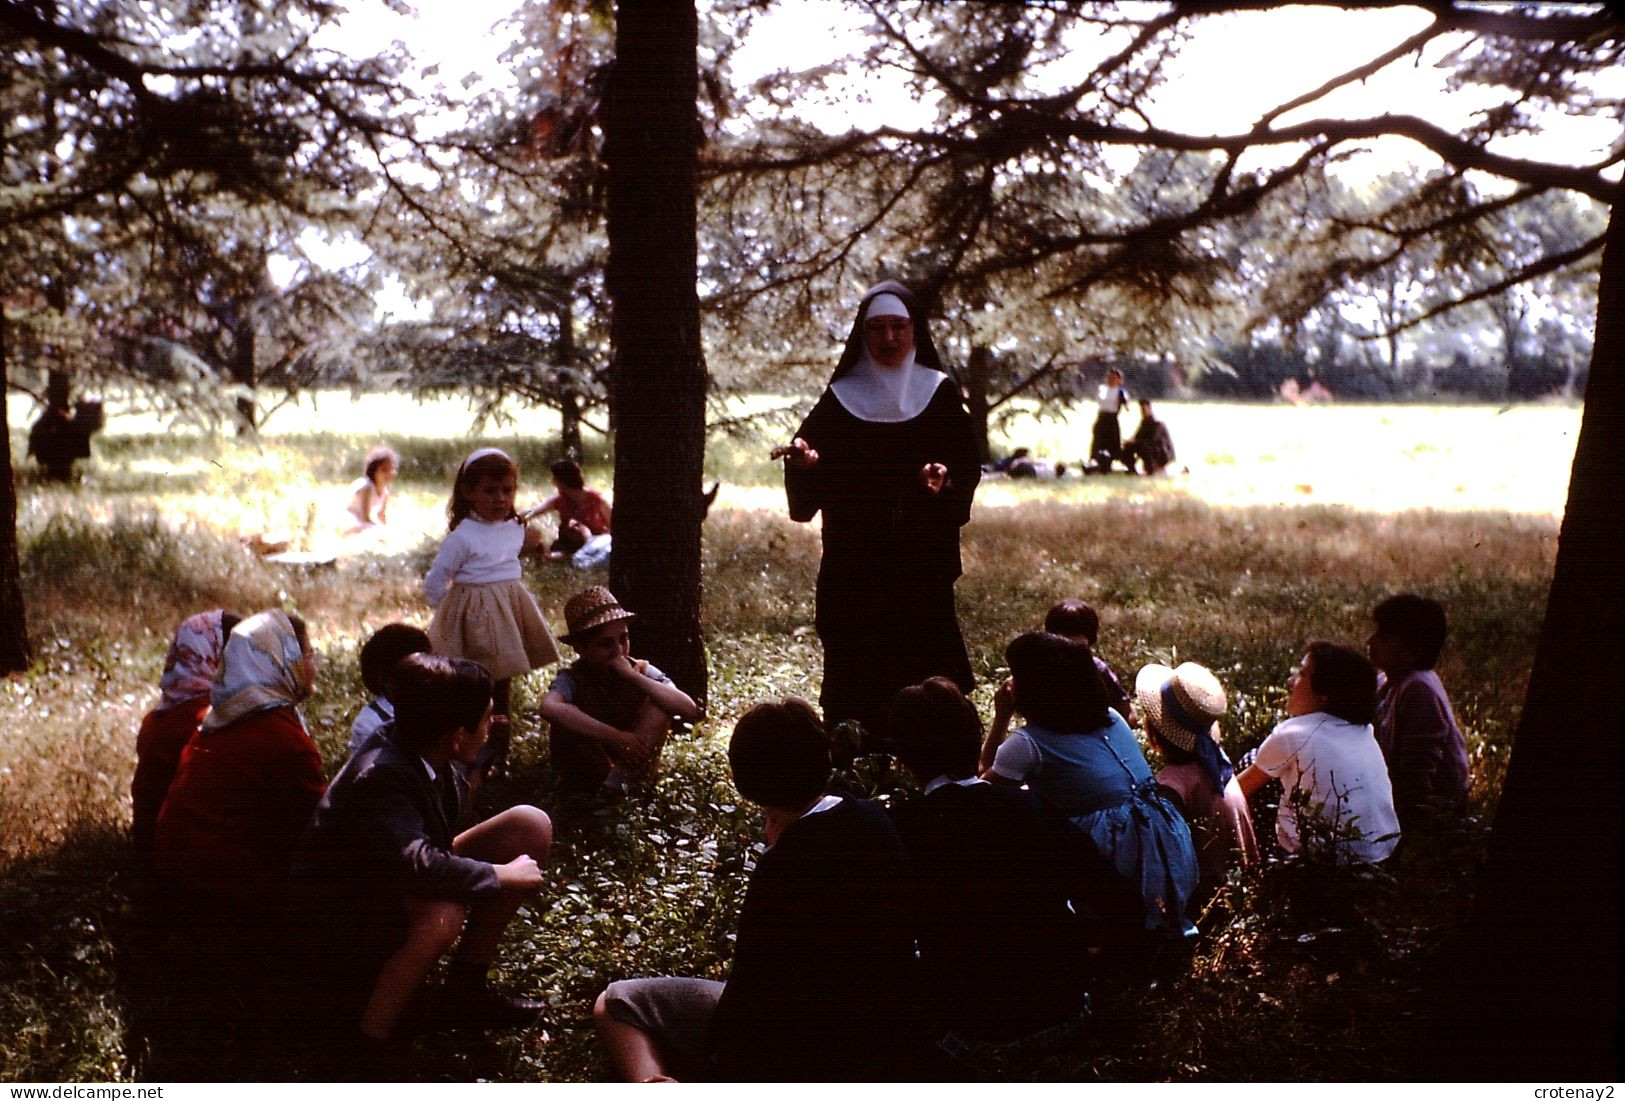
point(886, 305)
point(484, 453)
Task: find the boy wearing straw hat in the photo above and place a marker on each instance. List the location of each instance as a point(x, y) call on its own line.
point(609, 713)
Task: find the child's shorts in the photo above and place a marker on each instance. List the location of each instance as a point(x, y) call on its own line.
point(676, 1013)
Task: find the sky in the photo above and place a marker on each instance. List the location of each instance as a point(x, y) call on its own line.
point(1287, 48)
point(1280, 52)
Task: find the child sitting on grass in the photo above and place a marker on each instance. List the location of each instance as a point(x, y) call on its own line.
point(1416, 726)
point(394, 877)
point(1072, 619)
point(818, 989)
point(609, 713)
point(1337, 800)
point(1182, 710)
point(584, 514)
point(380, 654)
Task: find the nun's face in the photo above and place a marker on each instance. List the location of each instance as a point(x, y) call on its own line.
point(888, 339)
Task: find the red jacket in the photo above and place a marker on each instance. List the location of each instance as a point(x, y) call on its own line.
point(158, 749)
point(238, 805)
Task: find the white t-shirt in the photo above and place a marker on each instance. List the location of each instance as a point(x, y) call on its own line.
point(477, 552)
point(1336, 781)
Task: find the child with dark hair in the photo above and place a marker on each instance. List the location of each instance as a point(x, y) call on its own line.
point(382, 651)
point(1152, 445)
point(584, 514)
point(395, 876)
point(1415, 725)
point(1072, 618)
point(482, 610)
point(1081, 755)
point(1006, 898)
point(368, 505)
point(819, 982)
point(1338, 798)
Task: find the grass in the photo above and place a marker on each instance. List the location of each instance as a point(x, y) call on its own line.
point(1290, 984)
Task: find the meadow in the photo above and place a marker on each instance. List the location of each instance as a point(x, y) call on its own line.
point(1289, 524)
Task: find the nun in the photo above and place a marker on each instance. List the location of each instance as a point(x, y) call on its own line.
point(889, 456)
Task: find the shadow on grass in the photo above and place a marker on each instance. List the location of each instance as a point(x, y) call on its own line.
point(1305, 972)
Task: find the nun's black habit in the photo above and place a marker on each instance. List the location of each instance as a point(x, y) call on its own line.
point(891, 548)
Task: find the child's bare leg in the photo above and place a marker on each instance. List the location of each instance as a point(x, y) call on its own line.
point(517, 831)
point(432, 929)
point(631, 1051)
point(493, 756)
point(651, 727)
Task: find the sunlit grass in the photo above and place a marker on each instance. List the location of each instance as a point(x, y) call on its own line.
point(1205, 566)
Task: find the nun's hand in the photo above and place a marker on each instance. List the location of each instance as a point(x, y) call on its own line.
point(933, 476)
point(798, 454)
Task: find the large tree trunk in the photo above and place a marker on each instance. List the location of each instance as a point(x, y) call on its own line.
point(569, 400)
point(976, 397)
point(243, 373)
point(15, 654)
point(1533, 990)
point(651, 136)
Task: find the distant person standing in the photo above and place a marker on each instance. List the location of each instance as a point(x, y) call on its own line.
point(1106, 440)
point(888, 455)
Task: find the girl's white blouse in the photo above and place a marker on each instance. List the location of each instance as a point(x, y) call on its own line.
point(477, 552)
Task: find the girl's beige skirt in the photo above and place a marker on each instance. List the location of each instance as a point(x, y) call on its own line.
point(497, 625)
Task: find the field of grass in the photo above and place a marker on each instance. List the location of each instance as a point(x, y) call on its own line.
point(1291, 523)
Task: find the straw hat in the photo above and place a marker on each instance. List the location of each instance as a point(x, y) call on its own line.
point(1182, 704)
point(591, 608)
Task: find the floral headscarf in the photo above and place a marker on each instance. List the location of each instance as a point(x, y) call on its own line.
point(193, 659)
point(257, 671)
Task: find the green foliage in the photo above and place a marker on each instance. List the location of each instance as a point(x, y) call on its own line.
point(1292, 981)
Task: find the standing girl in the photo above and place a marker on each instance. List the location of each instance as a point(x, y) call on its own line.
point(481, 609)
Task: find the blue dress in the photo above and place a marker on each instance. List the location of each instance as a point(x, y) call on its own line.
point(1101, 781)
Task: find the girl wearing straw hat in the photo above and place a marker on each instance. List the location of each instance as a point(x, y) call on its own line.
point(1182, 708)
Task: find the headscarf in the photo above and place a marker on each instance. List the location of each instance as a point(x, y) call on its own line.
point(257, 670)
point(887, 395)
point(193, 659)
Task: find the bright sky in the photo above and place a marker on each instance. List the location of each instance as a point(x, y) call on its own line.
point(1286, 48)
point(1239, 66)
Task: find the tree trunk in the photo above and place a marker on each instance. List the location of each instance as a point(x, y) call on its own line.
point(242, 371)
point(15, 653)
point(976, 399)
point(651, 135)
point(1533, 988)
point(570, 398)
